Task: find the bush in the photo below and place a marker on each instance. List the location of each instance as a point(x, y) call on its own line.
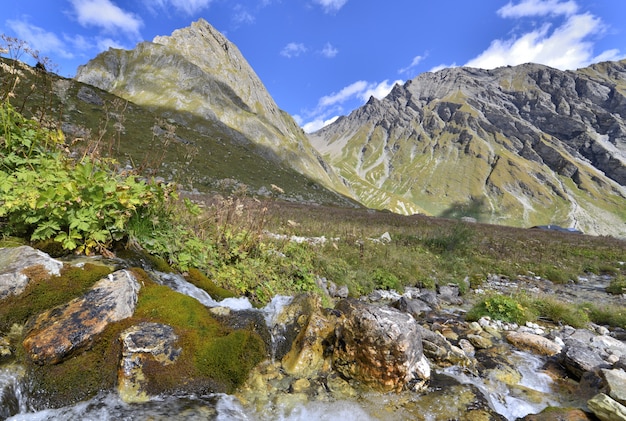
point(617, 285)
point(502, 307)
point(84, 206)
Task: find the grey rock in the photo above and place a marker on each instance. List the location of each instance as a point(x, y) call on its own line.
point(416, 308)
point(606, 409)
point(580, 358)
point(143, 343)
point(616, 384)
point(14, 261)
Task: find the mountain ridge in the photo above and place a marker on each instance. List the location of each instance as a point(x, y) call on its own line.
point(524, 145)
point(200, 79)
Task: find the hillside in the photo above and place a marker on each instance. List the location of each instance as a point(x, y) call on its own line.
point(523, 146)
point(199, 79)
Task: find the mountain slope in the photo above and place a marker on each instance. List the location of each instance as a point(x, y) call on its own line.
point(525, 145)
point(200, 79)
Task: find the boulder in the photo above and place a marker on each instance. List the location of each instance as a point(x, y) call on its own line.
point(142, 344)
point(379, 347)
point(559, 414)
point(606, 409)
point(580, 358)
point(415, 308)
point(616, 384)
point(307, 354)
point(56, 333)
point(14, 265)
point(534, 343)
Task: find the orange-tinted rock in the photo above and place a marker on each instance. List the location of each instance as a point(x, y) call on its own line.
point(56, 333)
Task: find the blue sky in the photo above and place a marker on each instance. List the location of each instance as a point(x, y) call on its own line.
point(323, 58)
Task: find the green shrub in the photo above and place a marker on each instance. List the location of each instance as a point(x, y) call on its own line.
point(560, 312)
point(502, 307)
point(83, 205)
point(617, 285)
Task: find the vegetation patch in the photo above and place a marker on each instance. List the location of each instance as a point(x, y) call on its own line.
point(502, 307)
point(212, 354)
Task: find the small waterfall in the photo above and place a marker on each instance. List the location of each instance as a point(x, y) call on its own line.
point(277, 331)
point(12, 391)
point(513, 402)
point(180, 284)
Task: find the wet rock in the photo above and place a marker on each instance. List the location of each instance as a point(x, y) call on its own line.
point(291, 321)
point(146, 342)
point(15, 261)
point(307, 356)
point(479, 341)
point(534, 343)
point(580, 358)
point(6, 351)
point(607, 409)
point(616, 384)
point(559, 414)
point(379, 347)
point(437, 348)
point(56, 333)
point(415, 308)
point(430, 298)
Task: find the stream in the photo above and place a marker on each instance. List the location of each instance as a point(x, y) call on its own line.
point(529, 394)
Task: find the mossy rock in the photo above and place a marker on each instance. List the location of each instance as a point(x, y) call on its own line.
point(199, 279)
point(45, 291)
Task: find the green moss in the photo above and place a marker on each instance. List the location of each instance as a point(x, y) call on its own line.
point(200, 280)
point(213, 356)
point(82, 376)
point(45, 292)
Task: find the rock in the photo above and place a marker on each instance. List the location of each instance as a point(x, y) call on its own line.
point(606, 409)
point(146, 342)
point(439, 349)
point(616, 384)
point(430, 298)
point(6, 350)
point(56, 333)
point(88, 95)
point(579, 359)
point(291, 321)
point(415, 308)
point(479, 341)
point(15, 261)
point(559, 414)
point(535, 343)
point(306, 357)
point(379, 347)
point(450, 294)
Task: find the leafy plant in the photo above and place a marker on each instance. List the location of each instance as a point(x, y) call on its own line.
point(502, 307)
point(84, 205)
point(617, 285)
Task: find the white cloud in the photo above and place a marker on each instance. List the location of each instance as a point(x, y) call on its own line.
point(106, 15)
point(353, 90)
point(330, 106)
point(242, 15)
point(379, 91)
point(293, 49)
point(329, 51)
point(331, 6)
point(527, 8)
point(187, 7)
point(39, 39)
point(317, 124)
point(106, 43)
point(568, 46)
point(414, 63)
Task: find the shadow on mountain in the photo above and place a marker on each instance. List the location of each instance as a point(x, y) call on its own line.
point(475, 208)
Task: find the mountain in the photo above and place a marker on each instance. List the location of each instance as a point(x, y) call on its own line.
point(524, 146)
point(200, 80)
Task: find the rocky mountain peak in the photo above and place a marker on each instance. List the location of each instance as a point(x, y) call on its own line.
point(200, 79)
point(524, 145)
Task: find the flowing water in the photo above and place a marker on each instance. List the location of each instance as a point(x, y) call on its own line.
point(530, 393)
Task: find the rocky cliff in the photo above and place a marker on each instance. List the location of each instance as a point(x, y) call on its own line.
point(201, 80)
point(525, 145)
